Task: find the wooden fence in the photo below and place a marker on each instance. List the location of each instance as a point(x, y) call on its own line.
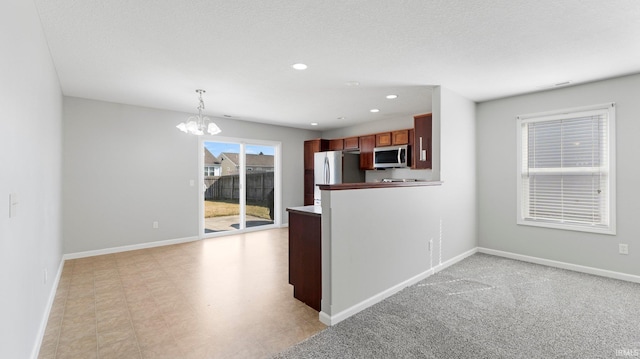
point(259, 187)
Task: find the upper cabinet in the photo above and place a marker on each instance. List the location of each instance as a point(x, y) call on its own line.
point(383, 139)
point(336, 145)
point(422, 142)
point(367, 144)
point(400, 137)
point(351, 143)
point(311, 147)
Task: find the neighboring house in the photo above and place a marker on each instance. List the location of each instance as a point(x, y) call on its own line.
point(211, 164)
point(230, 163)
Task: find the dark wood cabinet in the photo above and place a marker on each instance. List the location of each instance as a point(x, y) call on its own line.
point(351, 143)
point(308, 187)
point(367, 144)
point(305, 257)
point(422, 142)
point(336, 145)
point(400, 137)
point(421, 157)
point(311, 147)
point(383, 139)
point(411, 148)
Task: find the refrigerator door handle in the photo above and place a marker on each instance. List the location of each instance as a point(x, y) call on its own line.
point(327, 171)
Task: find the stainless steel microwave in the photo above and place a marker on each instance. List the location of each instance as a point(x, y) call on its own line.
point(391, 157)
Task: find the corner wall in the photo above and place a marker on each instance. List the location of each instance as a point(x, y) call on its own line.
point(376, 241)
point(497, 172)
point(30, 167)
point(454, 161)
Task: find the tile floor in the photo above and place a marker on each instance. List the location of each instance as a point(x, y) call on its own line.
point(225, 297)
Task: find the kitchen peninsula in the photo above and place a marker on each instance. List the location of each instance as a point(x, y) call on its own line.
point(305, 261)
point(311, 236)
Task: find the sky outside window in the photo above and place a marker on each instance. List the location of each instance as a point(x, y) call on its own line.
point(216, 148)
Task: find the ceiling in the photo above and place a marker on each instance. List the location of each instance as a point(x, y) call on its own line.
point(155, 53)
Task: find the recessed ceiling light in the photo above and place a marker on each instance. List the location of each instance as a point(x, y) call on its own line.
point(299, 66)
point(340, 118)
point(391, 97)
point(314, 124)
point(352, 83)
point(374, 110)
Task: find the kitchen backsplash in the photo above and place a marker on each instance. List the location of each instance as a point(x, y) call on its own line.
point(378, 175)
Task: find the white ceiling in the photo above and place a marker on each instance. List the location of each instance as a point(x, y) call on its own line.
point(155, 53)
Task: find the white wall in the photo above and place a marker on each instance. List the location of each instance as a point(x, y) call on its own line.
point(455, 164)
point(30, 162)
point(126, 166)
point(376, 239)
point(496, 122)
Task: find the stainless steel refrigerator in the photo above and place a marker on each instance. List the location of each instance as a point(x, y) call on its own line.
point(334, 167)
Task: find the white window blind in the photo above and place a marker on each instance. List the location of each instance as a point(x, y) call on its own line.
point(566, 169)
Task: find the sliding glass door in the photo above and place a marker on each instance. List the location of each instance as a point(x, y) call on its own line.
point(260, 185)
point(240, 184)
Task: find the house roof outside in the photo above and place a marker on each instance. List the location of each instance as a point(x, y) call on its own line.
point(209, 158)
point(252, 160)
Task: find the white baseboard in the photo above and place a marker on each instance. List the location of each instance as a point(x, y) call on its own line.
point(563, 265)
point(132, 247)
point(455, 260)
point(337, 318)
point(47, 311)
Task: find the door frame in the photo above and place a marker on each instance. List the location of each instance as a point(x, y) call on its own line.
point(277, 184)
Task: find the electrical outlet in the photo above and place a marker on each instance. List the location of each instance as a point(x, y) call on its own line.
point(46, 276)
point(155, 225)
point(623, 248)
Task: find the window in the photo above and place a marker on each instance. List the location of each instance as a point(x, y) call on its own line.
point(210, 171)
point(566, 169)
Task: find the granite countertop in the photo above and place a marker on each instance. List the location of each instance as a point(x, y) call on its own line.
point(365, 185)
point(310, 210)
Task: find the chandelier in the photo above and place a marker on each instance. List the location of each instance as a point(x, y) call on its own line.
point(197, 125)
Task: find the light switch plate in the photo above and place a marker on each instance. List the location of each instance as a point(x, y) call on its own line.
point(623, 248)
